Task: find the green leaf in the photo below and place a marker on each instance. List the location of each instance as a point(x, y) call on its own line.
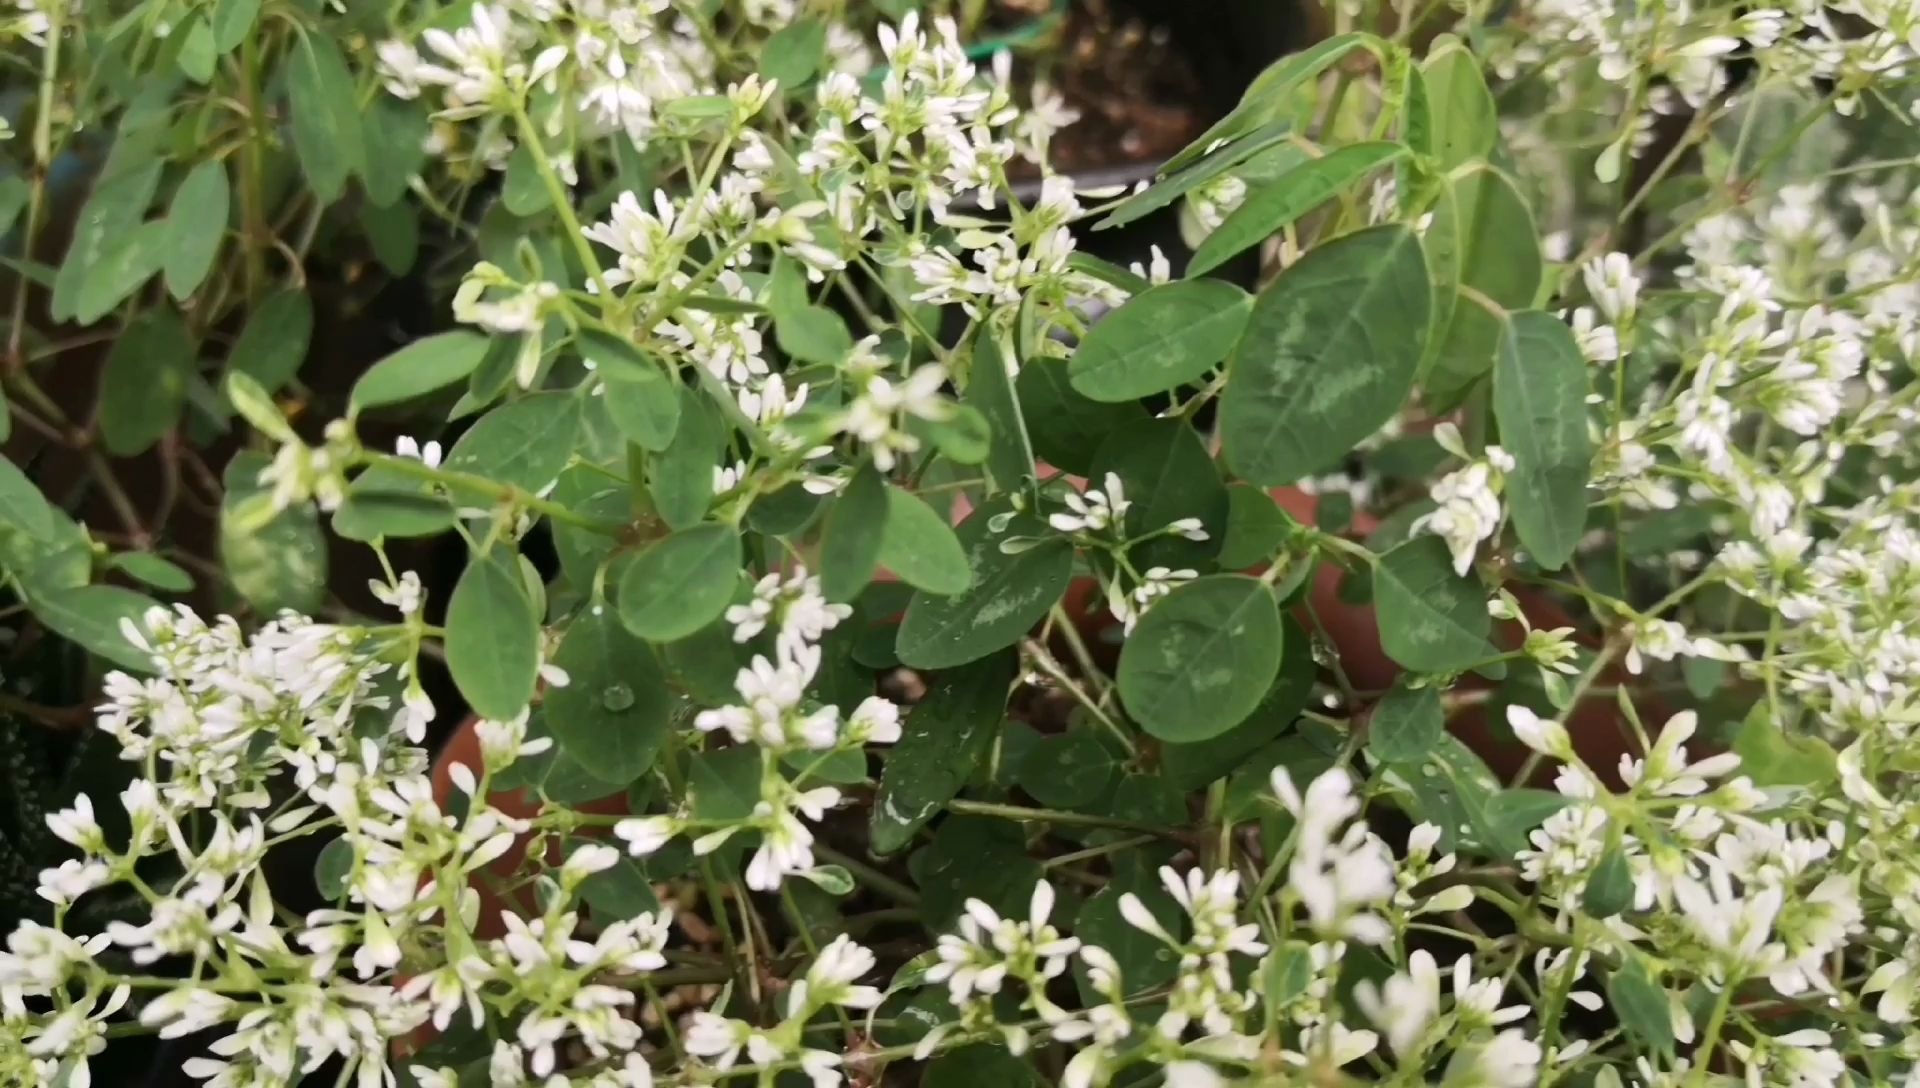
point(21, 504)
point(981, 1063)
point(1070, 769)
point(277, 563)
point(1201, 658)
point(1465, 122)
point(990, 390)
point(524, 442)
point(919, 546)
point(394, 234)
point(14, 194)
point(1006, 595)
point(232, 21)
point(257, 408)
point(962, 437)
point(196, 223)
point(855, 529)
point(812, 334)
point(1067, 426)
point(1609, 887)
point(112, 212)
point(1482, 240)
point(421, 367)
point(1294, 194)
point(1197, 765)
point(1641, 1005)
point(1327, 357)
point(382, 502)
point(143, 384)
point(273, 343)
point(1771, 757)
point(90, 617)
point(1431, 619)
point(522, 189)
point(1256, 528)
point(395, 135)
point(197, 55)
point(1539, 399)
point(681, 583)
point(1167, 475)
point(699, 107)
point(724, 786)
point(941, 742)
point(149, 569)
point(642, 398)
point(1271, 91)
point(615, 712)
point(1170, 335)
point(680, 478)
point(1172, 187)
point(326, 115)
point(1406, 724)
point(333, 868)
point(705, 663)
point(793, 53)
point(493, 637)
point(128, 263)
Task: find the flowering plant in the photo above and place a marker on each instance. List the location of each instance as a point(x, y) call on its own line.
point(966, 625)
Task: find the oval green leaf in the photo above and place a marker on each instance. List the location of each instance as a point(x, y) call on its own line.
point(143, 385)
point(940, 743)
point(851, 541)
point(1483, 255)
point(1006, 595)
point(1406, 724)
point(918, 545)
point(1163, 338)
point(493, 637)
point(524, 442)
point(196, 223)
point(1201, 658)
point(326, 115)
point(90, 617)
point(418, 369)
point(616, 711)
point(1540, 401)
point(682, 583)
point(1431, 619)
point(1328, 355)
point(645, 406)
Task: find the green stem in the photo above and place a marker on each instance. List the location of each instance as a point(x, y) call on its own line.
point(499, 492)
point(562, 202)
point(1711, 1037)
point(1022, 814)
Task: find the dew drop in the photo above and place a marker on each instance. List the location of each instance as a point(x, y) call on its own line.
point(616, 697)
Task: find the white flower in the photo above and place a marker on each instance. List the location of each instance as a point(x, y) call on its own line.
point(1613, 284)
point(1093, 510)
point(989, 948)
point(1404, 1006)
point(1467, 512)
point(405, 596)
point(1543, 735)
point(645, 835)
point(875, 721)
point(832, 978)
